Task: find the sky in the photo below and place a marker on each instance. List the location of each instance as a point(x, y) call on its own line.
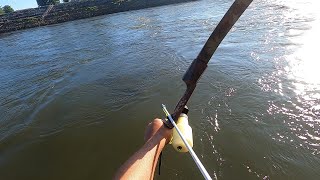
point(19, 4)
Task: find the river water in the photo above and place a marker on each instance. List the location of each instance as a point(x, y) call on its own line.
point(75, 97)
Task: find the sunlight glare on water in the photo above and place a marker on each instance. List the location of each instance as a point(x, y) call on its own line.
point(306, 66)
point(301, 68)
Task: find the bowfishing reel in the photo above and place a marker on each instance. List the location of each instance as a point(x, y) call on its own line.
point(185, 130)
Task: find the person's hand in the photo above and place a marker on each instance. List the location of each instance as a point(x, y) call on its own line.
point(156, 127)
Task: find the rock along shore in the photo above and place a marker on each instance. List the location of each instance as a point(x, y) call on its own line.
point(64, 12)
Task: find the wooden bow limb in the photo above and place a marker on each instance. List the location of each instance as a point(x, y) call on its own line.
point(198, 65)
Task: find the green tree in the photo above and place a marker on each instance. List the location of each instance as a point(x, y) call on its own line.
point(7, 9)
point(56, 2)
point(1, 10)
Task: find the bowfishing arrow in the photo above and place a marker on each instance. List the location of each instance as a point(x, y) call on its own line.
point(194, 73)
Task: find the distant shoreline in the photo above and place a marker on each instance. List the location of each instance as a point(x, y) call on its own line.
point(53, 14)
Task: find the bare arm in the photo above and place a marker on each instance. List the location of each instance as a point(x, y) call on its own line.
point(142, 164)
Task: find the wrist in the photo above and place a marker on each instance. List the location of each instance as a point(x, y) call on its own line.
point(163, 136)
point(165, 133)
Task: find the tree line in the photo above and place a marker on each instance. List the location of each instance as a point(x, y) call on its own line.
point(49, 2)
point(6, 9)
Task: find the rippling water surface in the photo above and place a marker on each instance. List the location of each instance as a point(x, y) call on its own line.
point(75, 97)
